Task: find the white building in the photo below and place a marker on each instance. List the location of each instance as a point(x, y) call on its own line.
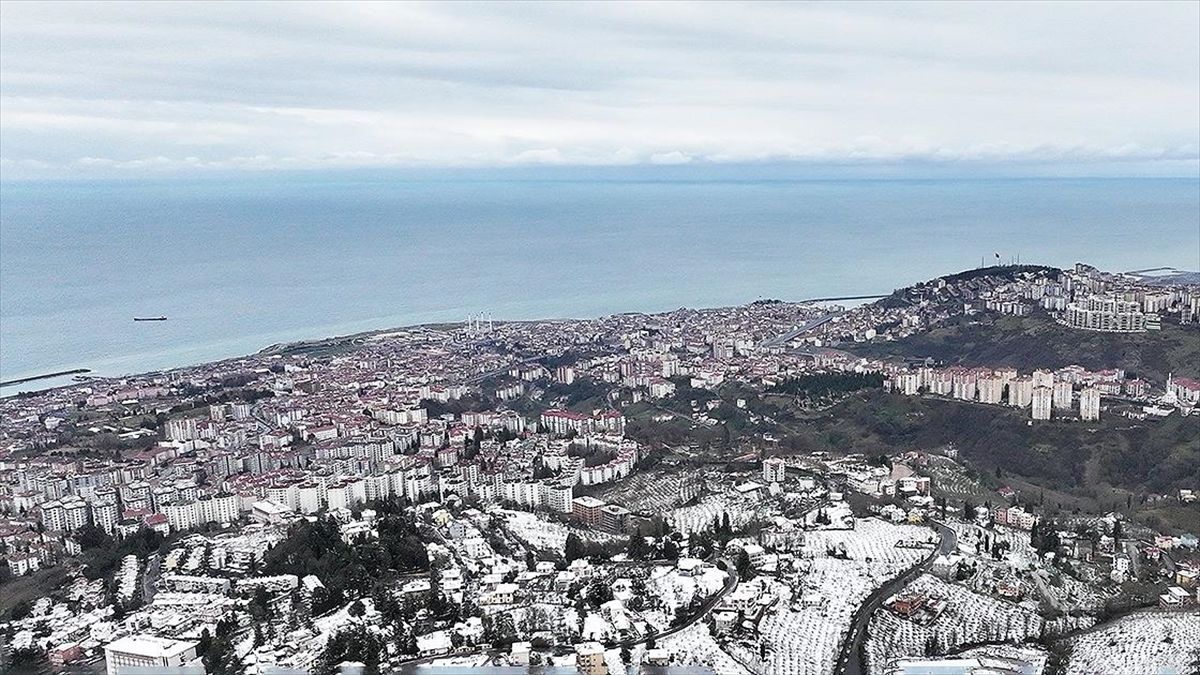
point(146, 651)
point(1064, 395)
point(1043, 399)
point(1105, 313)
point(774, 470)
point(1020, 392)
point(1089, 404)
point(991, 390)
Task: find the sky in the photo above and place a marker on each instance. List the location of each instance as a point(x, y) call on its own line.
point(110, 90)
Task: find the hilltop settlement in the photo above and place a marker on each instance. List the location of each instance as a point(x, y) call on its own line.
point(991, 472)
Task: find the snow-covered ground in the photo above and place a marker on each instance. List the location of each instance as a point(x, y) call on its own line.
point(535, 532)
point(667, 589)
point(701, 515)
point(871, 539)
point(1165, 643)
point(969, 618)
point(805, 628)
point(694, 646)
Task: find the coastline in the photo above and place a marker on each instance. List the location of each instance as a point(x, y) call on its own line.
point(8, 388)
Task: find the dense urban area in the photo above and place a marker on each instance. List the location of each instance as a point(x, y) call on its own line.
point(995, 471)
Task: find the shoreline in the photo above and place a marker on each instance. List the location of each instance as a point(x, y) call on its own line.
point(280, 348)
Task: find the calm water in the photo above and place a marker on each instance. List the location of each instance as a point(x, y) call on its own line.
point(240, 265)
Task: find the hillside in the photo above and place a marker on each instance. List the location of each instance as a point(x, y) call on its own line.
point(1078, 461)
point(1036, 341)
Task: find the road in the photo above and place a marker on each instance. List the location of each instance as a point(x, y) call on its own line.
point(850, 655)
point(1135, 560)
point(492, 373)
point(731, 582)
point(150, 578)
point(792, 334)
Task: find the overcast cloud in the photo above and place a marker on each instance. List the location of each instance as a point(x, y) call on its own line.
point(131, 89)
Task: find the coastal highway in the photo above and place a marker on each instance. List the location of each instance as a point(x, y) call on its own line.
point(850, 655)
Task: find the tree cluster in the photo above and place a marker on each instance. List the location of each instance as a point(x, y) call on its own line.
point(348, 571)
point(825, 385)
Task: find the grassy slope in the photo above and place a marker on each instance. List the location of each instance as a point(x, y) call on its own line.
point(1036, 341)
point(1089, 466)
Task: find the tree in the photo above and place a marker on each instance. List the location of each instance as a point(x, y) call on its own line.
point(356, 643)
point(503, 631)
point(636, 548)
point(599, 592)
point(670, 550)
point(27, 660)
point(742, 562)
point(573, 550)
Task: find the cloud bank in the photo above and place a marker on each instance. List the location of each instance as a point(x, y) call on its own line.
point(145, 88)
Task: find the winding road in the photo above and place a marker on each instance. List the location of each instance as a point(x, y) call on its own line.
point(850, 655)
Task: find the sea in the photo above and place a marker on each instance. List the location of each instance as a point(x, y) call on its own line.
point(237, 264)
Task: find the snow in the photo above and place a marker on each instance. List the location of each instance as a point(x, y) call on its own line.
point(805, 637)
point(694, 646)
point(1150, 642)
point(969, 618)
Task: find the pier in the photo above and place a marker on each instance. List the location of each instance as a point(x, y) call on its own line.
point(846, 297)
point(35, 378)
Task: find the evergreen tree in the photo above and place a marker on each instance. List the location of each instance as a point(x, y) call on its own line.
point(574, 548)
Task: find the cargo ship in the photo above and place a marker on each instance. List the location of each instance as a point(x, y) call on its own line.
point(149, 318)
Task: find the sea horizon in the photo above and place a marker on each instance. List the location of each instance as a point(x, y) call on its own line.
point(239, 266)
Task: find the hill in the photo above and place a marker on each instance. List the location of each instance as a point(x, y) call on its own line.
point(1080, 464)
point(1036, 341)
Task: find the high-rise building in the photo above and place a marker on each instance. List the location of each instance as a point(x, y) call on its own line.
point(53, 516)
point(1106, 313)
point(1043, 399)
point(1064, 395)
point(1043, 378)
point(774, 469)
point(1020, 392)
point(964, 386)
point(105, 513)
point(1089, 404)
point(991, 390)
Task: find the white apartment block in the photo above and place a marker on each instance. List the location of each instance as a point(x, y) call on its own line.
point(1089, 404)
point(1043, 399)
point(774, 470)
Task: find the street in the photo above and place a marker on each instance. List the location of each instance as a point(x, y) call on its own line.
point(850, 655)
